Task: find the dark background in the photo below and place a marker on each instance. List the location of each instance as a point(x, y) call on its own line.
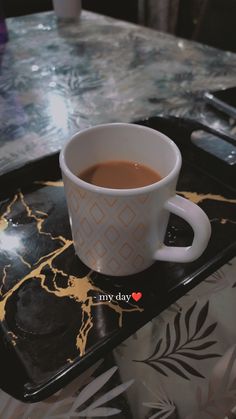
point(120, 9)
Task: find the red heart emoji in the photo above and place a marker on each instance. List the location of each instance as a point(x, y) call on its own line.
point(136, 295)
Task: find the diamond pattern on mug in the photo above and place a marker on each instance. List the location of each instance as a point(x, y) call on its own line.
point(143, 198)
point(138, 261)
point(87, 229)
point(126, 216)
point(100, 248)
point(139, 232)
point(112, 234)
point(79, 238)
point(73, 200)
point(110, 201)
point(97, 214)
point(125, 251)
point(113, 265)
point(81, 193)
point(91, 258)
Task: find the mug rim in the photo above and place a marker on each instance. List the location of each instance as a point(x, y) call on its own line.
point(120, 192)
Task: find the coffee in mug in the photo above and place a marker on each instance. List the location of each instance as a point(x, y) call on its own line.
point(120, 230)
point(120, 174)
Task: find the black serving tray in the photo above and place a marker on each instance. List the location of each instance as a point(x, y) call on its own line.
point(54, 322)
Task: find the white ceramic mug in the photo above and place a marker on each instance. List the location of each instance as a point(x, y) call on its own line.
point(67, 9)
point(121, 231)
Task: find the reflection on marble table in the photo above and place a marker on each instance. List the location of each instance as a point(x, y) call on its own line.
point(56, 79)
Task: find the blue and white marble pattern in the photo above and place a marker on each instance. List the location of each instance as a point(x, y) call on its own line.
point(56, 79)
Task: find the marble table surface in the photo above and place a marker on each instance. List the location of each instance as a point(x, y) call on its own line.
point(56, 79)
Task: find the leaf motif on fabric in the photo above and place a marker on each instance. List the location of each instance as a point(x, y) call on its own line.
point(208, 331)
point(224, 372)
point(167, 339)
point(175, 369)
point(182, 346)
point(93, 387)
point(177, 332)
point(163, 407)
point(156, 350)
point(164, 415)
point(110, 395)
point(187, 367)
point(201, 317)
point(193, 355)
point(188, 316)
point(99, 412)
point(221, 395)
point(202, 346)
point(95, 409)
point(157, 368)
point(63, 400)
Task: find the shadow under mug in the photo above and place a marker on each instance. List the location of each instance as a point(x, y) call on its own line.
point(121, 231)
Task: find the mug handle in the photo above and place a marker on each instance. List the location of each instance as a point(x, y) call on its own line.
point(200, 224)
